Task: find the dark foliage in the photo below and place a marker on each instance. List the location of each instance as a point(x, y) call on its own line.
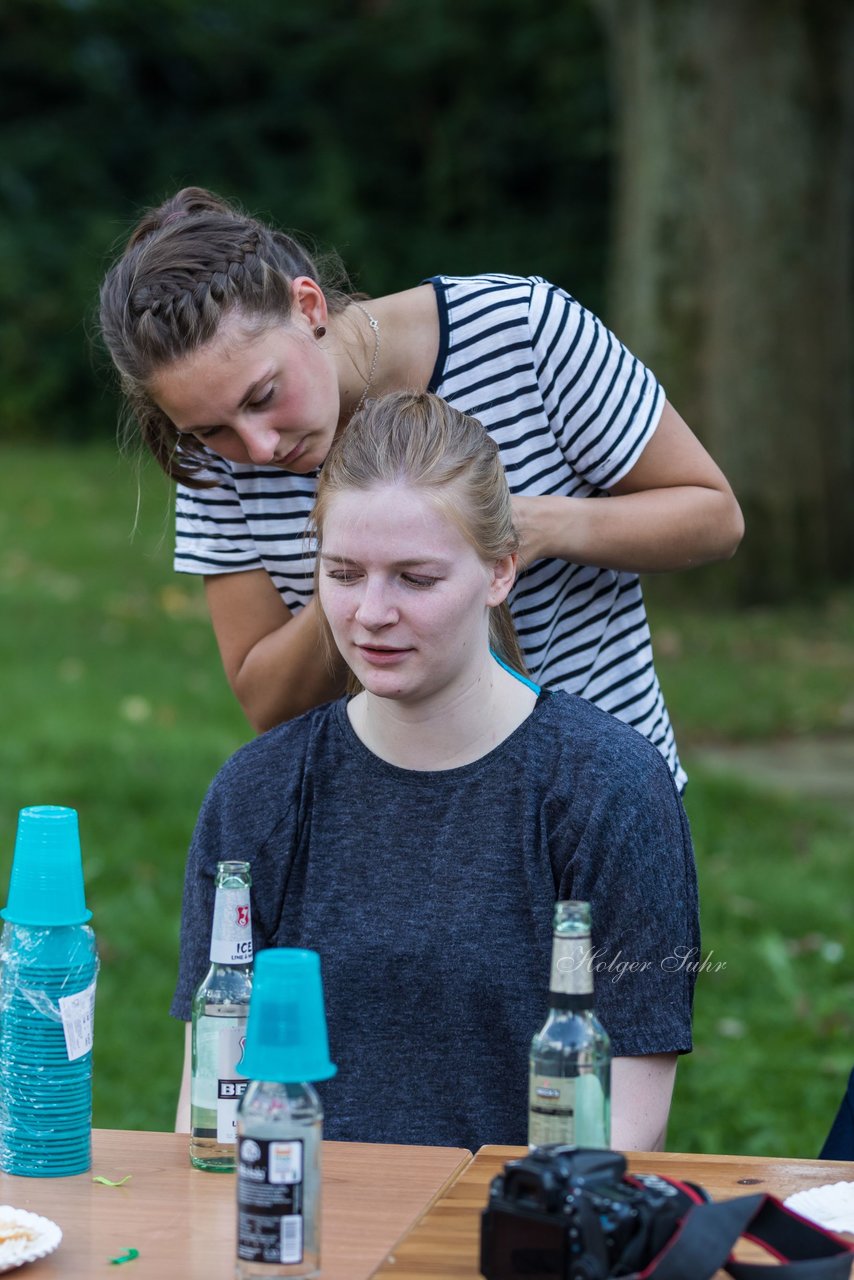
point(413, 136)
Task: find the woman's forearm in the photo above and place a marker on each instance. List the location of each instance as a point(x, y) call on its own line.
point(648, 532)
point(641, 1092)
point(182, 1113)
point(276, 663)
point(287, 673)
point(674, 509)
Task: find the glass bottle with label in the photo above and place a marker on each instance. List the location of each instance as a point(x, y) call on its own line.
point(279, 1135)
point(280, 1120)
point(220, 1009)
point(569, 1097)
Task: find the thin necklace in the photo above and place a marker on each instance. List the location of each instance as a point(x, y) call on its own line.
point(375, 325)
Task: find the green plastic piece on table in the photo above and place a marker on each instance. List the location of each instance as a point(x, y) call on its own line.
point(125, 1257)
point(108, 1183)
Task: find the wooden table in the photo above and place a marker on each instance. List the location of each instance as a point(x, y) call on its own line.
point(183, 1221)
point(445, 1243)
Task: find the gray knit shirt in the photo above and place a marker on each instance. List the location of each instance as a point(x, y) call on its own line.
point(429, 896)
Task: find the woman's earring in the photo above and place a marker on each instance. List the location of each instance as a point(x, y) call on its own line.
point(320, 331)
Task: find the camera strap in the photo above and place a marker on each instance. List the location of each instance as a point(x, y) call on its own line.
point(708, 1232)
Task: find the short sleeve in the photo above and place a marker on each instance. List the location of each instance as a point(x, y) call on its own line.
point(235, 823)
point(634, 863)
point(603, 404)
point(196, 916)
point(211, 532)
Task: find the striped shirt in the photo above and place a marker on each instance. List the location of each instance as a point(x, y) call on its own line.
point(571, 411)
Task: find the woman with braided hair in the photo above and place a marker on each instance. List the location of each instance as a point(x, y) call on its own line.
point(240, 366)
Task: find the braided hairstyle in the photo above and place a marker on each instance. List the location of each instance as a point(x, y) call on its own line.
point(187, 265)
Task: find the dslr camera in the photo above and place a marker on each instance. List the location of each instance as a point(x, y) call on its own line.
point(573, 1213)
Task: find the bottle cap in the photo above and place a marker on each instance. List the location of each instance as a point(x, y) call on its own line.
point(286, 1038)
point(46, 884)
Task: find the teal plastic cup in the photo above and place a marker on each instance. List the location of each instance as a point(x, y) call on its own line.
point(286, 1037)
point(46, 885)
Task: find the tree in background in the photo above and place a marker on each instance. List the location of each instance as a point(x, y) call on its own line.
point(418, 136)
point(733, 256)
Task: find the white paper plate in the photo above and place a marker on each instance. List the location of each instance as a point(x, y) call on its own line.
point(42, 1238)
point(831, 1206)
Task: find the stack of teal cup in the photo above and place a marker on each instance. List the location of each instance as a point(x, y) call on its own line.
point(49, 967)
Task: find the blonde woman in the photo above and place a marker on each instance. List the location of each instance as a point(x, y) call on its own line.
point(418, 833)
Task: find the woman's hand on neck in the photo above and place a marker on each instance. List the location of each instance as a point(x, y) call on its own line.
point(446, 730)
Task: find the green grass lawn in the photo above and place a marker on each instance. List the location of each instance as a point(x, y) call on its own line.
point(113, 701)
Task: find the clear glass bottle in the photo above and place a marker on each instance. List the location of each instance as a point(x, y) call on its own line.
point(279, 1130)
point(220, 1009)
point(569, 1091)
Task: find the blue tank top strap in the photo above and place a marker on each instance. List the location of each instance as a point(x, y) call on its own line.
point(517, 674)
